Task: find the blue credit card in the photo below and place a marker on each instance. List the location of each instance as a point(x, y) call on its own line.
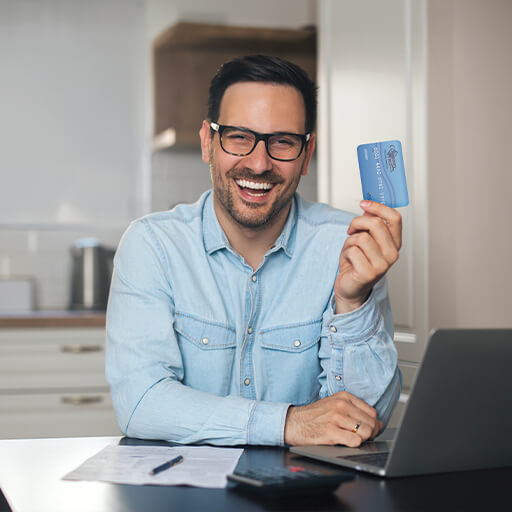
point(381, 165)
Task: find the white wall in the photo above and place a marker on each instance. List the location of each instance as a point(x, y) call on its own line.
point(71, 132)
point(470, 108)
point(70, 101)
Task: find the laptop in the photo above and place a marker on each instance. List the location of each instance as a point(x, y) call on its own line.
point(458, 416)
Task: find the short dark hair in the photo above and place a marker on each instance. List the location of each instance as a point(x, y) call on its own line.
point(262, 68)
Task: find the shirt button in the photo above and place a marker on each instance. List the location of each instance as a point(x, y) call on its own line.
point(338, 377)
point(205, 341)
point(249, 330)
point(332, 328)
point(254, 278)
point(296, 343)
point(247, 382)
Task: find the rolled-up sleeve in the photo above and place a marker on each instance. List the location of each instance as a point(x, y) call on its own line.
point(358, 354)
point(144, 365)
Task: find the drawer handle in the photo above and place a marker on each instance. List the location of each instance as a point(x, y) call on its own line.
point(81, 399)
point(80, 349)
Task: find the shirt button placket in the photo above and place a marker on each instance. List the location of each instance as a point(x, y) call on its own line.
point(247, 368)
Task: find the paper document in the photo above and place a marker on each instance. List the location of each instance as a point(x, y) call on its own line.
point(203, 466)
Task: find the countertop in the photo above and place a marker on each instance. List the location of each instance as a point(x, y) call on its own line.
point(52, 319)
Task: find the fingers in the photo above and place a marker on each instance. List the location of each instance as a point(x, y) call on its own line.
point(373, 238)
point(356, 426)
point(381, 221)
point(369, 260)
point(354, 411)
point(357, 402)
point(360, 410)
point(379, 231)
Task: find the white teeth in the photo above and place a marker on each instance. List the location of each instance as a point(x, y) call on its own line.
point(254, 185)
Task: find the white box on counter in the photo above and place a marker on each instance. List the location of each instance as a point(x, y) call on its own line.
point(17, 294)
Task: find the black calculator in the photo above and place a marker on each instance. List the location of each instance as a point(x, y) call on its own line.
point(288, 481)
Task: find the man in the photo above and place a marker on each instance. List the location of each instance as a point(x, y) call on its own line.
point(253, 316)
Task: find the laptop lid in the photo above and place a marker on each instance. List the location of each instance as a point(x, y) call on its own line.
point(459, 412)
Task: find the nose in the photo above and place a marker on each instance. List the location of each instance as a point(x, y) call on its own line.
point(259, 161)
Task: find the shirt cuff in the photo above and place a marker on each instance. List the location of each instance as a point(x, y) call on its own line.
point(266, 423)
point(356, 326)
point(387, 402)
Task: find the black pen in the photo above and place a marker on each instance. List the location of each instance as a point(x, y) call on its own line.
point(167, 465)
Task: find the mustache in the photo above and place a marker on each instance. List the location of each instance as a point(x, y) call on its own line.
point(247, 174)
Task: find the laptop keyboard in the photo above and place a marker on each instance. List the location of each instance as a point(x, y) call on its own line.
point(374, 459)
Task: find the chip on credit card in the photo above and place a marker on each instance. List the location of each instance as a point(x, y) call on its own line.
point(381, 165)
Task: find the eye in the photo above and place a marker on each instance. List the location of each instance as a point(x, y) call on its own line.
point(238, 136)
point(284, 141)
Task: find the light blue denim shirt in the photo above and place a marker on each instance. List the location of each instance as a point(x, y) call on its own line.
point(203, 349)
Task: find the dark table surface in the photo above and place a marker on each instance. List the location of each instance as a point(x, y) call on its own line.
point(38, 490)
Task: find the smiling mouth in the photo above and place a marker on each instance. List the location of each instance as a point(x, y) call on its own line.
point(254, 189)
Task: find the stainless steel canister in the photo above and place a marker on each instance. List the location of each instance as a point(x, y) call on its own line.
point(91, 272)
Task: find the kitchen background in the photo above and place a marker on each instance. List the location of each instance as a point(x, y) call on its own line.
point(76, 125)
point(77, 119)
point(77, 160)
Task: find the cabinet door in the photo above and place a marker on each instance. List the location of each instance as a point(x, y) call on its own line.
point(72, 414)
point(52, 383)
point(52, 359)
point(372, 86)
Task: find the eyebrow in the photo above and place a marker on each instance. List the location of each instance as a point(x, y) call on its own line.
point(279, 132)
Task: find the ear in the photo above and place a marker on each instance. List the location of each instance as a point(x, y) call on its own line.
point(206, 140)
point(309, 153)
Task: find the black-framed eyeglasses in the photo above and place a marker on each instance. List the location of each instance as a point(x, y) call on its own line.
point(239, 141)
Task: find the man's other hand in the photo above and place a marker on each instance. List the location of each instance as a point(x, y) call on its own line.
point(371, 248)
point(332, 420)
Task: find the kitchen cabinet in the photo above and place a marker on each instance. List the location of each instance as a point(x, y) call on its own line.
point(52, 383)
point(186, 57)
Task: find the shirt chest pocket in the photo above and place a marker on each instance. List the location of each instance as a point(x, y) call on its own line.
point(291, 360)
point(208, 352)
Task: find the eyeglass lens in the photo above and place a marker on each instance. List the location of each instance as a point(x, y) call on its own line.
point(281, 146)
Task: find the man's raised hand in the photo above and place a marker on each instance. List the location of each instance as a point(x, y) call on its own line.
point(369, 251)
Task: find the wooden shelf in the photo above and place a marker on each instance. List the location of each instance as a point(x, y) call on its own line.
point(202, 36)
point(176, 138)
point(37, 319)
point(186, 57)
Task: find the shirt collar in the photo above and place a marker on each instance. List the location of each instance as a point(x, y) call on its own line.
point(214, 237)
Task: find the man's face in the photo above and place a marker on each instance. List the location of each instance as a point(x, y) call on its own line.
point(256, 190)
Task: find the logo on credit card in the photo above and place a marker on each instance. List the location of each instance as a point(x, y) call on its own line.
point(391, 157)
